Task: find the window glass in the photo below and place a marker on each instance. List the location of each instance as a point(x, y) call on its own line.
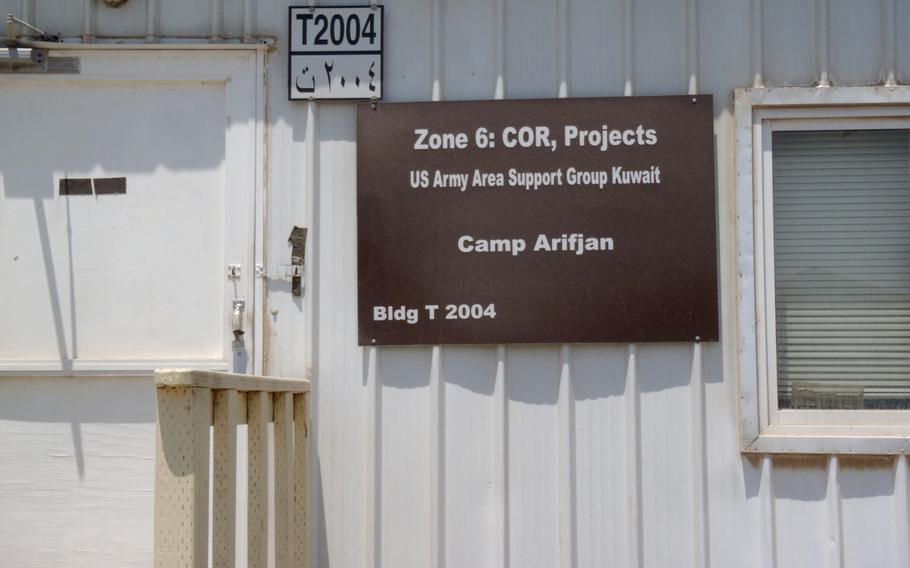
point(842, 268)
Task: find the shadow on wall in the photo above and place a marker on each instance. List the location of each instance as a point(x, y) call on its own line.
point(533, 373)
point(107, 127)
point(77, 401)
point(118, 400)
point(805, 477)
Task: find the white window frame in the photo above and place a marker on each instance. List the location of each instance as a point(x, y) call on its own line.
point(763, 427)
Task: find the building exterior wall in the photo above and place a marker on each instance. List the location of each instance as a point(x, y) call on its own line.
point(525, 456)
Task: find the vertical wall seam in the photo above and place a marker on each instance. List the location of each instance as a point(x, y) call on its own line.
point(702, 553)
point(822, 50)
point(441, 477)
point(259, 356)
point(499, 48)
point(632, 398)
point(573, 461)
point(699, 460)
point(151, 9)
point(500, 388)
point(313, 157)
point(436, 50)
point(437, 460)
point(767, 513)
point(248, 8)
point(27, 9)
point(889, 42)
point(902, 511)
point(501, 450)
point(566, 467)
point(692, 45)
point(701, 528)
point(835, 519)
point(373, 470)
point(215, 19)
point(634, 524)
point(88, 9)
point(627, 45)
point(437, 385)
point(562, 47)
point(757, 43)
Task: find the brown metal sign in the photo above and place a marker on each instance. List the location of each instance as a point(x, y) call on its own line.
point(537, 221)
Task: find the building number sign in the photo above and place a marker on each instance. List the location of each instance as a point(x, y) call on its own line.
point(335, 53)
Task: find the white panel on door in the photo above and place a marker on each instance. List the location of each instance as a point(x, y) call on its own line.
point(103, 276)
point(122, 205)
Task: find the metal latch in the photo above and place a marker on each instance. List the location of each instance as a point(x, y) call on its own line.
point(279, 271)
point(293, 271)
point(297, 240)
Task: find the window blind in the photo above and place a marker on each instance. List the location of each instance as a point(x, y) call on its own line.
point(842, 268)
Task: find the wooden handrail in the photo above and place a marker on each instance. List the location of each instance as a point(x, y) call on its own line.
point(193, 405)
point(227, 381)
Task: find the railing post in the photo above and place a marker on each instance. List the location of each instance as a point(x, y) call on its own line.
point(284, 478)
point(184, 415)
point(224, 478)
point(301, 531)
point(259, 414)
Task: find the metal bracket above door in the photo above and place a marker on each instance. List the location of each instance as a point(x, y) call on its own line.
point(27, 60)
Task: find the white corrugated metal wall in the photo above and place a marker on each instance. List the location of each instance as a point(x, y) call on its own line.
point(619, 455)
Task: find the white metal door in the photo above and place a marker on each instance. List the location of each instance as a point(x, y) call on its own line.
point(127, 191)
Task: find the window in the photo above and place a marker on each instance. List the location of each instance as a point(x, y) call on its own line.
point(823, 230)
point(841, 224)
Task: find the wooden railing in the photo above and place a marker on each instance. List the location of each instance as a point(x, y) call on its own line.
point(196, 405)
